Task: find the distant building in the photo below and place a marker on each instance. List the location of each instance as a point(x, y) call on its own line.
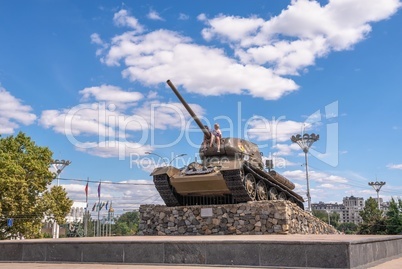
point(353, 206)
point(348, 211)
point(76, 212)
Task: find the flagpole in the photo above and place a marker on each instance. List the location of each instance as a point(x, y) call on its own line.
point(99, 195)
point(86, 210)
point(110, 218)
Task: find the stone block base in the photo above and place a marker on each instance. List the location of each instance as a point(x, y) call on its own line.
point(262, 217)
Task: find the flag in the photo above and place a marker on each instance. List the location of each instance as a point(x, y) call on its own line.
point(93, 208)
point(106, 204)
point(86, 190)
point(99, 189)
point(101, 205)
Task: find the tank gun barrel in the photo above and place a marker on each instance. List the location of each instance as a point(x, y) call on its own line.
point(188, 108)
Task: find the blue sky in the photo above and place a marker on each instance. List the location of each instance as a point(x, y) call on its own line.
point(87, 79)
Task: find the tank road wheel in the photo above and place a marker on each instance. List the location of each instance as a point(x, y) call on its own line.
point(249, 183)
point(282, 196)
point(273, 193)
point(262, 192)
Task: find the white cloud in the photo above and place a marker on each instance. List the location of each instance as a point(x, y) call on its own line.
point(110, 149)
point(301, 33)
point(183, 17)
point(395, 166)
point(162, 116)
point(13, 113)
point(120, 128)
point(159, 55)
point(122, 18)
point(314, 176)
point(224, 26)
point(263, 51)
point(96, 39)
point(331, 186)
point(110, 93)
point(286, 149)
point(153, 15)
point(123, 195)
point(278, 130)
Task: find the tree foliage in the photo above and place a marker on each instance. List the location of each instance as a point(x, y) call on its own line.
point(373, 220)
point(24, 193)
point(323, 215)
point(126, 224)
point(394, 217)
point(348, 227)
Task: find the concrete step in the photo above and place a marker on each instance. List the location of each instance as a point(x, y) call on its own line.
point(285, 251)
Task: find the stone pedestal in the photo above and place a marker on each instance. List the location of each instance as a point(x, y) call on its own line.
point(252, 218)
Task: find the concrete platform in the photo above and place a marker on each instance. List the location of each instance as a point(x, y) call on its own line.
point(285, 251)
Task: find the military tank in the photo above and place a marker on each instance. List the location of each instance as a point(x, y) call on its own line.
point(235, 174)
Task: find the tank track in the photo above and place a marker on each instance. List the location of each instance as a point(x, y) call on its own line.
point(165, 190)
point(250, 169)
point(234, 182)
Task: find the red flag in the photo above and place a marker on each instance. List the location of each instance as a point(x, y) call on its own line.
point(86, 190)
point(99, 189)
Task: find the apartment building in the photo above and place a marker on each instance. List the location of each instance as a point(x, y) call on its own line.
point(348, 211)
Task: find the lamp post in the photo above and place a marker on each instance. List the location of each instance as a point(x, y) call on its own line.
point(151, 153)
point(177, 156)
point(163, 158)
point(58, 165)
point(377, 186)
point(305, 141)
point(329, 217)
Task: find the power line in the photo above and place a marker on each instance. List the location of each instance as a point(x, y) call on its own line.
point(107, 182)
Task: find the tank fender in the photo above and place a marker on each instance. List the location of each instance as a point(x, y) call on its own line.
point(169, 170)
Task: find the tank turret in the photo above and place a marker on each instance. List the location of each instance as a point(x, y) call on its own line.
point(232, 173)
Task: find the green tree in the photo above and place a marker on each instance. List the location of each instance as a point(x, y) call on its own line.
point(334, 218)
point(323, 215)
point(394, 217)
point(373, 221)
point(126, 224)
point(57, 204)
point(348, 227)
point(24, 193)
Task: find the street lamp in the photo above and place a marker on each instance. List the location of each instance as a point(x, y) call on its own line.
point(59, 165)
point(329, 217)
point(180, 155)
point(377, 186)
point(305, 141)
point(151, 153)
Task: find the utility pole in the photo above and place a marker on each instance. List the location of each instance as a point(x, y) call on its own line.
point(58, 165)
point(305, 141)
point(86, 213)
point(98, 231)
point(377, 187)
point(111, 217)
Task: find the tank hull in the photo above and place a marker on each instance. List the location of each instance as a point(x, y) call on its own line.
point(225, 186)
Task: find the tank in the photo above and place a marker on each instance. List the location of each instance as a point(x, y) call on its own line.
point(235, 174)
